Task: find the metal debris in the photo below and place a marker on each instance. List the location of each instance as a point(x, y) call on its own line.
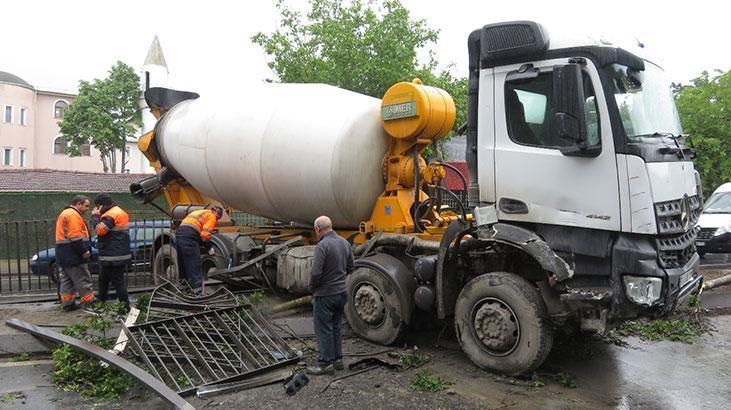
point(168, 301)
point(87, 348)
point(247, 274)
point(209, 347)
point(205, 392)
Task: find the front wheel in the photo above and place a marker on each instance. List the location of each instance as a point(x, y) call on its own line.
point(501, 322)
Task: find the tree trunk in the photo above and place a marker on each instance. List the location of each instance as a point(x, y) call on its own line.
point(104, 162)
point(113, 160)
point(124, 158)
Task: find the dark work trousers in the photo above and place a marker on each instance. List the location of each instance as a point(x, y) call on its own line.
point(115, 275)
point(189, 261)
point(327, 314)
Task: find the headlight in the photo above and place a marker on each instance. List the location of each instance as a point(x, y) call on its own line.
point(722, 230)
point(641, 290)
point(34, 258)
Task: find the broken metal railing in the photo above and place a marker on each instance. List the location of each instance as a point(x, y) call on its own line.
point(169, 300)
point(210, 347)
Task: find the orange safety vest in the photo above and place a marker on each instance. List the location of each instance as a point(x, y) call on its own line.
point(120, 218)
point(70, 226)
point(113, 241)
point(203, 220)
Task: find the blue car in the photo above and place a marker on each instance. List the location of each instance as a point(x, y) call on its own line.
point(142, 235)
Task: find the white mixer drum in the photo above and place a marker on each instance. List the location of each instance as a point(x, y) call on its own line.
point(290, 152)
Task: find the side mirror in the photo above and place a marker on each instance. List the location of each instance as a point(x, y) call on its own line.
point(568, 95)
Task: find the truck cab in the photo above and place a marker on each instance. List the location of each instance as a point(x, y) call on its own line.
point(582, 144)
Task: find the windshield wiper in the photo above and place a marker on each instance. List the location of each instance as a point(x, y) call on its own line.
point(666, 150)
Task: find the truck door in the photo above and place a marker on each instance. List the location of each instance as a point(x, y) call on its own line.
point(534, 181)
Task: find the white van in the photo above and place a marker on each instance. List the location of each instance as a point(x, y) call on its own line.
point(714, 235)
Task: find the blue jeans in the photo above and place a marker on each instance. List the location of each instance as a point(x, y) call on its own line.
point(327, 314)
point(189, 261)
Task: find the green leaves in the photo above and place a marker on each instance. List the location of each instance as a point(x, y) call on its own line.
point(705, 113)
point(104, 114)
point(85, 374)
point(362, 46)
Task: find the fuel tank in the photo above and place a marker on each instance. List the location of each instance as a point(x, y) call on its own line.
point(290, 152)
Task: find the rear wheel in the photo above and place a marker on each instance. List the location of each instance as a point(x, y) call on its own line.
point(165, 266)
point(501, 323)
point(53, 272)
point(374, 308)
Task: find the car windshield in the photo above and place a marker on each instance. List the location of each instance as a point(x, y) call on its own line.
point(718, 204)
point(645, 101)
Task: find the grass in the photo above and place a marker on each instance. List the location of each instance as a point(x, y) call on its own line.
point(675, 330)
point(84, 374)
point(566, 380)
point(537, 381)
point(257, 297)
point(425, 381)
point(413, 360)
point(23, 357)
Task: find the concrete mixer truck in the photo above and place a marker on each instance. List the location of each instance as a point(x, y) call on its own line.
point(582, 197)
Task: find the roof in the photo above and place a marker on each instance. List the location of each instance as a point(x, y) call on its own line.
point(13, 79)
point(52, 180)
point(154, 54)
point(723, 188)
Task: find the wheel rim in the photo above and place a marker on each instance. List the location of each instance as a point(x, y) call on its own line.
point(369, 304)
point(495, 326)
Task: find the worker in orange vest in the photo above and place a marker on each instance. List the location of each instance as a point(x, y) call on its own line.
point(73, 253)
point(194, 232)
point(111, 224)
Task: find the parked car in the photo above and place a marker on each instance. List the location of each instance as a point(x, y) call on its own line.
point(714, 235)
point(142, 235)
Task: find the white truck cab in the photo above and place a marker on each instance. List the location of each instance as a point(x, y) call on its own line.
point(581, 144)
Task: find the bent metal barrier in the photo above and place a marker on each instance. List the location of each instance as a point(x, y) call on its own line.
point(161, 389)
point(210, 347)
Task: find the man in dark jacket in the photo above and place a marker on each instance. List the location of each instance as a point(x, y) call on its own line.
point(194, 231)
point(73, 252)
point(333, 260)
point(111, 224)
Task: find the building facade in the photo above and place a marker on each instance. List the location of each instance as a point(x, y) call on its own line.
point(29, 132)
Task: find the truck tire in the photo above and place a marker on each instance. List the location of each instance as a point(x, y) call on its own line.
point(501, 323)
point(165, 266)
point(374, 309)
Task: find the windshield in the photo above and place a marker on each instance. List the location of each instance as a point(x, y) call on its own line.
point(645, 101)
point(719, 204)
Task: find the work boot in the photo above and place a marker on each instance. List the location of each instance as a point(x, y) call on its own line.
point(89, 307)
point(319, 369)
point(338, 364)
point(70, 308)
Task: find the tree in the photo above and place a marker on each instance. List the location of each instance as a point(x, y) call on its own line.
point(104, 114)
point(364, 47)
point(705, 113)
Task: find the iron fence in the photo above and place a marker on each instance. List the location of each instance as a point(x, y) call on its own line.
point(28, 257)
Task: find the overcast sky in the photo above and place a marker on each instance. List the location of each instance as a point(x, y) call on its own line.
point(54, 44)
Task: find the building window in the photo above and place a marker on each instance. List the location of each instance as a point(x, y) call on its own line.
point(8, 114)
point(86, 150)
point(23, 115)
point(60, 108)
point(21, 157)
point(8, 156)
point(59, 145)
